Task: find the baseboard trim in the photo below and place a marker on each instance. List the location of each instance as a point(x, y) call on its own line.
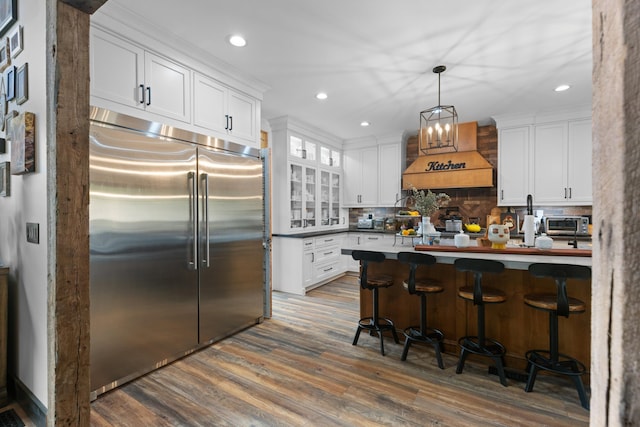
point(34, 409)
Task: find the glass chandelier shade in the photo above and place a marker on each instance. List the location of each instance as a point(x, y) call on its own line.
point(438, 125)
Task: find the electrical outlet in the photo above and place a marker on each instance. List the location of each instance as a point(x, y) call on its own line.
point(33, 232)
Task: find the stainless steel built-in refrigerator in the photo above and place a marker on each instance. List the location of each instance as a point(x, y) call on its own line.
point(176, 244)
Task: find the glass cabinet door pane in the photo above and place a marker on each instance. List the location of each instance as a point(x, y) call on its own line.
point(335, 158)
point(295, 184)
point(325, 197)
point(310, 150)
point(325, 156)
point(310, 198)
point(295, 147)
point(335, 199)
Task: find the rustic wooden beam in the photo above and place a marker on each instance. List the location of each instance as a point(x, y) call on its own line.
point(86, 6)
point(68, 240)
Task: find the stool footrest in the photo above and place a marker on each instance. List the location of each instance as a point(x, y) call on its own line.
point(492, 348)
point(429, 336)
point(565, 365)
point(376, 326)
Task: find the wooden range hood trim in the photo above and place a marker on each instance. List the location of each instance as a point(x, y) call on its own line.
point(464, 169)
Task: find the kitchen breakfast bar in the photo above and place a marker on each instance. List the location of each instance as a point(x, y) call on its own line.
point(518, 327)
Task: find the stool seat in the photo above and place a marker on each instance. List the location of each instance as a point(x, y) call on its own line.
point(550, 302)
point(425, 286)
point(489, 295)
point(380, 281)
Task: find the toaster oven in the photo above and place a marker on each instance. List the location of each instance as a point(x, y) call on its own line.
point(564, 225)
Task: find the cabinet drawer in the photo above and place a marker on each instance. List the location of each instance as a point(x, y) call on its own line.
point(371, 238)
point(326, 271)
point(327, 253)
point(307, 245)
point(326, 241)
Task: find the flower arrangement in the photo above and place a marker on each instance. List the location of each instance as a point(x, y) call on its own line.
point(428, 202)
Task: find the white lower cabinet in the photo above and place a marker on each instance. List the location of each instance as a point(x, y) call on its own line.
point(301, 264)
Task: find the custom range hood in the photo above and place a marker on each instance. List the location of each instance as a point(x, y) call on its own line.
point(465, 168)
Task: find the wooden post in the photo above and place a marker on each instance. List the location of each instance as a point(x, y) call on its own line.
point(615, 365)
point(68, 240)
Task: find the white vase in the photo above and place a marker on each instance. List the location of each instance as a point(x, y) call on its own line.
point(427, 228)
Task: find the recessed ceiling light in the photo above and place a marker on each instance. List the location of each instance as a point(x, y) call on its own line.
point(364, 124)
point(321, 95)
point(562, 88)
point(237, 40)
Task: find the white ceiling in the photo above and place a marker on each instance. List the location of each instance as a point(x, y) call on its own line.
point(374, 58)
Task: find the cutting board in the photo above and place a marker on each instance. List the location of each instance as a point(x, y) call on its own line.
point(514, 251)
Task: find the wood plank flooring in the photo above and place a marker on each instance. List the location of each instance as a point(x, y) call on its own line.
point(300, 369)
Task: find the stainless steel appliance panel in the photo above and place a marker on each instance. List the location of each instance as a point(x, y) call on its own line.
point(144, 293)
point(231, 266)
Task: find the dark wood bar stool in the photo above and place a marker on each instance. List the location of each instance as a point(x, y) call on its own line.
point(558, 304)
point(373, 324)
point(422, 288)
point(481, 295)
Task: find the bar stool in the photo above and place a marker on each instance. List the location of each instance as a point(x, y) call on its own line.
point(422, 288)
point(481, 295)
point(373, 324)
point(558, 304)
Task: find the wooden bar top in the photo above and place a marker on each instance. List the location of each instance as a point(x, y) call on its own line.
point(511, 251)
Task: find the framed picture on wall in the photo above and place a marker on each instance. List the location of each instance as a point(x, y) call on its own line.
point(10, 85)
point(22, 84)
point(5, 179)
point(15, 42)
point(5, 58)
point(8, 14)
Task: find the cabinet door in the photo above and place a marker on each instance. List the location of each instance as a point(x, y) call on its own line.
point(307, 268)
point(353, 173)
point(550, 163)
point(242, 111)
point(513, 166)
point(168, 88)
point(310, 198)
point(389, 180)
point(369, 180)
point(209, 104)
point(117, 69)
point(579, 164)
point(334, 209)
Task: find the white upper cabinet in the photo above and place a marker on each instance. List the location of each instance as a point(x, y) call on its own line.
point(117, 69)
point(579, 162)
point(549, 155)
point(361, 177)
point(223, 110)
point(306, 190)
point(301, 148)
point(330, 157)
point(138, 81)
point(372, 175)
point(126, 74)
point(513, 165)
point(167, 88)
point(389, 181)
point(549, 159)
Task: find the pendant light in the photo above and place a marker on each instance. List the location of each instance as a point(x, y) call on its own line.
point(438, 125)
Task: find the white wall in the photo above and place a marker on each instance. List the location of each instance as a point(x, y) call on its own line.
point(28, 203)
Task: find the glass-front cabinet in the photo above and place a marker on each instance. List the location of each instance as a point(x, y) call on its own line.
point(303, 199)
point(302, 148)
point(306, 175)
point(329, 198)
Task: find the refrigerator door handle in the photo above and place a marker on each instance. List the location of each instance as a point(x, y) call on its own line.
point(205, 212)
point(191, 176)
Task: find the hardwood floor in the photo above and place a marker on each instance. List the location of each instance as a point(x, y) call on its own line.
point(299, 368)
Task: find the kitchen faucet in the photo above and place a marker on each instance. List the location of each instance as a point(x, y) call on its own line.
point(574, 243)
